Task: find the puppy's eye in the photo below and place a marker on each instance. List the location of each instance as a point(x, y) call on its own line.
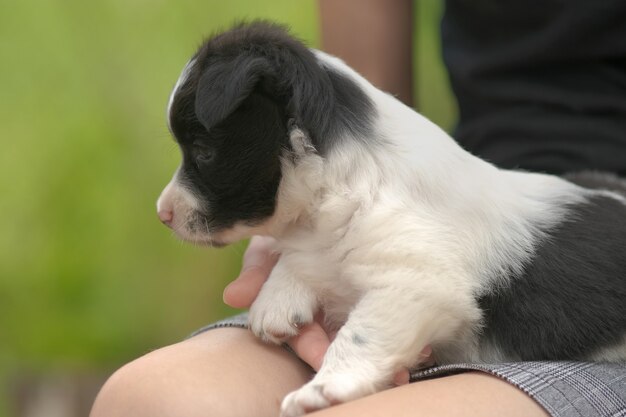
point(203, 155)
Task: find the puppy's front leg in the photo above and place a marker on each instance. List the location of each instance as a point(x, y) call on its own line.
point(283, 305)
point(384, 333)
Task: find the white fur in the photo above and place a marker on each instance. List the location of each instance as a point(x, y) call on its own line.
point(402, 225)
point(181, 80)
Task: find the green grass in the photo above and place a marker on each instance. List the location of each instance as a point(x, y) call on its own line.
point(89, 279)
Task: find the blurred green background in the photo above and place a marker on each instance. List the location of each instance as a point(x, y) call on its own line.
point(89, 279)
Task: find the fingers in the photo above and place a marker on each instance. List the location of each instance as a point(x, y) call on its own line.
point(258, 262)
point(242, 292)
point(313, 341)
point(401, 377)
point(426, 360)
point(426, 357)
point(311, 344)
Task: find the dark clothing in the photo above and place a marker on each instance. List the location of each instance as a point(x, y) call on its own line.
point(541, 84)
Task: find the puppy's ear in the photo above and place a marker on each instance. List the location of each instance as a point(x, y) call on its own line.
point(225, 85)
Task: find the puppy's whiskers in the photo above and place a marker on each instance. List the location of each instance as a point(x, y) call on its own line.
point(207, 231)
point(176, 232)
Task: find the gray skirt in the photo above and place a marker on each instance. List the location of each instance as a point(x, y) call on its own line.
point(563, 389)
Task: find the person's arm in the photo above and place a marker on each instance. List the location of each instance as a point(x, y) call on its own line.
point(375, 38)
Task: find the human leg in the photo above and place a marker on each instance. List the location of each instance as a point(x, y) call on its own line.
point(472, 394)
point(223, 372)
point(227, 372)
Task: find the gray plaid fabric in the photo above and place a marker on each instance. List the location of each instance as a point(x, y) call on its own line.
point(563, 389)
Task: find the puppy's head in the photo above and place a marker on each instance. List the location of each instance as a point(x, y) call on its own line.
point(231, 113)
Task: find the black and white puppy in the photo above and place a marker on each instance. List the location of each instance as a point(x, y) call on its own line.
point(384, 222)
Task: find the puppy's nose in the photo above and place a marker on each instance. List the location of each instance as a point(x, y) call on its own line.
point(166, 217)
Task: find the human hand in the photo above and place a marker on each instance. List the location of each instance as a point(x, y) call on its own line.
point(312, 340)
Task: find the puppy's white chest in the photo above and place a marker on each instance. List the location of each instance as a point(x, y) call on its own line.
point(326, 275)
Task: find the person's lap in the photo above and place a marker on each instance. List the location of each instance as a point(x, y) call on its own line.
point(228, 372)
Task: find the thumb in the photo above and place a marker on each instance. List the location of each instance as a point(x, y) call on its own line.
point(258, 262)
point(311, 344)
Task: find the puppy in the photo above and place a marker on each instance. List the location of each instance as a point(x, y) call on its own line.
point(384, 222)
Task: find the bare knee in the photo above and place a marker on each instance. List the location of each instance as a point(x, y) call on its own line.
point(224, 372)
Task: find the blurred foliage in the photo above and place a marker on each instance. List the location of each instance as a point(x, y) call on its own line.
point(89, 279)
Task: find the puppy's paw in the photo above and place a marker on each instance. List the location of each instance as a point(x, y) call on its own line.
point(317, 395)
point(305, 400)
point(275, 317)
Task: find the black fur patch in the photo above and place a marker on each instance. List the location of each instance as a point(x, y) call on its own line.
point(571, 299)
point(231, 117)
